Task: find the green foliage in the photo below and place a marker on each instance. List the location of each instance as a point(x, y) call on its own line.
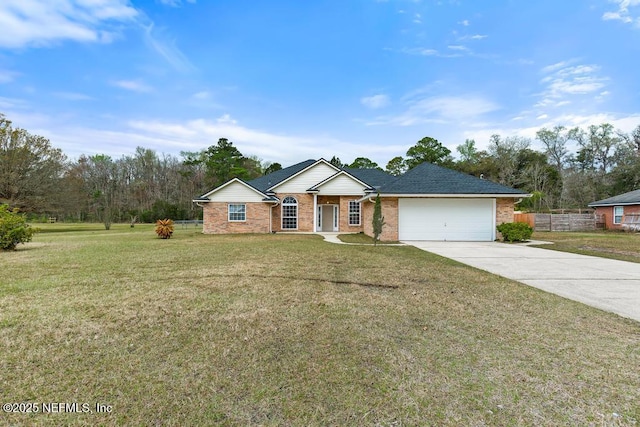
point(533, 203)
point(222, 162)
point(378, 220)
point(396, 166)
point(13, 229)
point(272, 167)
point(515, 231)
point(364, 163)
point(164, 228)
point(30, 169)
point(428, 150)
point(163, 209)
point(335, 161)
point(468, 151)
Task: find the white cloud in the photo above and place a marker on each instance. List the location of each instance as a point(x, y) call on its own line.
point(376, 101)
point(420, 51)
point(203, 95)
point(464, 23)
point(37, 23)
point(73, 96)
point(624, 13)
point(132, 85)
point(43, 22)
point(198, 134)
point(439, 109)
point(7, 76)
point(166, 47)
point(11, 103)
point(175, 3)
point(564, 81)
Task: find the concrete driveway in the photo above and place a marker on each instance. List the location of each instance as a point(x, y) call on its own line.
point(607, 284)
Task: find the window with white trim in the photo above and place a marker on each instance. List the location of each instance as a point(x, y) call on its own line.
point(237, 212)
point(618, 213)
point(289, 213)
point(354, 212)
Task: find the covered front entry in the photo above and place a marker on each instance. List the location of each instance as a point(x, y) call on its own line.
point(328, 218)
point(442, 219)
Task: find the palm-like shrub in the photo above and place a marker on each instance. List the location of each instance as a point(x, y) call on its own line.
point(164, 228)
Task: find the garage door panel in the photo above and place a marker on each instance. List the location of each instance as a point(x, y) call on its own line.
point(446, 219)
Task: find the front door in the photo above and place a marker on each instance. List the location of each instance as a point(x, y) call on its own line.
point(328, 218)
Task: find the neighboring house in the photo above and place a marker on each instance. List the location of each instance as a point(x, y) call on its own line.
point(619, 209)
point(428, 202)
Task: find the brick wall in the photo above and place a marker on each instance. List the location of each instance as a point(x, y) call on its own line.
point(305, 212)
point(608, 215)
point(344, 215)
point(504, 210)
point(389, 212)
point(215, 215)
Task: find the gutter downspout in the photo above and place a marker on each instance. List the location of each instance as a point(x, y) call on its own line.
point(271, 216)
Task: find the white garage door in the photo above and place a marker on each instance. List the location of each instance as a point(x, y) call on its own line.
point(446, 219)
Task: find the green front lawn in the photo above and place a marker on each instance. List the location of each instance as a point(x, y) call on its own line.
point(291, 330)
point(363, 239)
point(606, 244)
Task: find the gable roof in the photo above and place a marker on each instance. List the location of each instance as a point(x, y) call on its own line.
point(428, 178)
point(630, 198)
point(334, 176)
point(205, 197)
point(267, 181)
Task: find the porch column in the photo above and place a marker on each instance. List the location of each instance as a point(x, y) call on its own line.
point(315, 212)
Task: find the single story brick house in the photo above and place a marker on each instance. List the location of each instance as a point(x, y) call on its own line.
point(619, 210)
point(428, 202)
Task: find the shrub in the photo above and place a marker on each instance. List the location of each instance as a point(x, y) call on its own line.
point(378, 220)
point(164, 228)
point(13, 229)
point(515, 231)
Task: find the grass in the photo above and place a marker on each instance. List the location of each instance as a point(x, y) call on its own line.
point(362, 239)
point(605, 244)
point(291, 330)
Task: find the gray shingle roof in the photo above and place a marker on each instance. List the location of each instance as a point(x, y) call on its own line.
point(630, 198)
point(265, 182)
point(428, 178)
point(375, 178)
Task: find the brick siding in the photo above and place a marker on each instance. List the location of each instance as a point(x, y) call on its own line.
point(216, 219)
point(504, 210)
point(305, 212)
point(389, 207)
point(607, 211)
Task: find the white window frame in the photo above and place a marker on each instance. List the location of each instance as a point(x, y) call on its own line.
point(287, 205)
point(353, 212)
point(232, 209)
point(621, 209)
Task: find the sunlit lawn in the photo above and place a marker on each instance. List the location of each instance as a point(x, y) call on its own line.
point(291, 330)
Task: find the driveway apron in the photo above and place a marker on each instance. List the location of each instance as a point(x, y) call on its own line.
point(610, 285)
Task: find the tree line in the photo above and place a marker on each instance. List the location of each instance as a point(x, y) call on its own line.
point(39, 179)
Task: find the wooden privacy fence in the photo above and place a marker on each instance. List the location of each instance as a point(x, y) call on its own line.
point(558, 222)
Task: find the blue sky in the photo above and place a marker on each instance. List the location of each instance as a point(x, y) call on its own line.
point(290, 80)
